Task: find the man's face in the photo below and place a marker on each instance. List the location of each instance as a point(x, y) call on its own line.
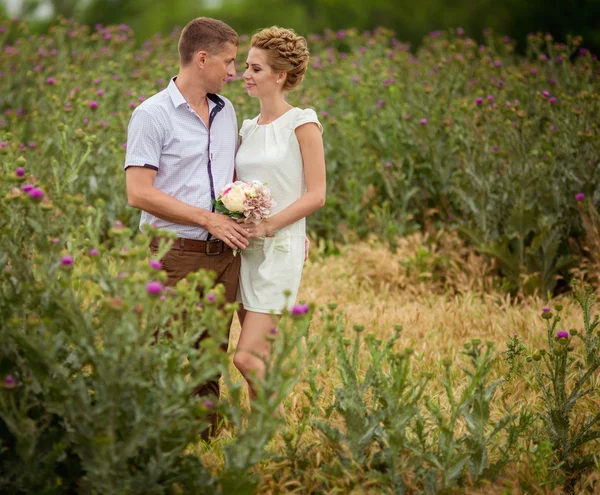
point(220, 66)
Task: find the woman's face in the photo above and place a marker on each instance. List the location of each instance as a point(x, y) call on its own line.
point(259, 77)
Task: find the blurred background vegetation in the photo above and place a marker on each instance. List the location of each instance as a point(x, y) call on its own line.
point(409, 19)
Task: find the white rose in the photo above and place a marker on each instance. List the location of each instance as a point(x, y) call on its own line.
point(234, 199)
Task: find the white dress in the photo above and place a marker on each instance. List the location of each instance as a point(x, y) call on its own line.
point(272, 266)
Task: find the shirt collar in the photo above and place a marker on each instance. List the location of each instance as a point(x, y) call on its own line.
point(178, 99)
point(176, 96)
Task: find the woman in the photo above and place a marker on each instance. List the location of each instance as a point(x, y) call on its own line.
point(282, 147)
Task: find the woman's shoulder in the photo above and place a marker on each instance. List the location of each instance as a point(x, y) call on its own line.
point(247, 124)
point(306, 116)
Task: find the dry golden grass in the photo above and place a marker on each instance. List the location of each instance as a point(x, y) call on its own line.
point(443, 300)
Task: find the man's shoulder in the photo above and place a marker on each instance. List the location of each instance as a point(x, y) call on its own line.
point(155, 105)
point(228, 105)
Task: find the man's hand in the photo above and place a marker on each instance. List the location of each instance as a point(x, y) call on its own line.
point(228, 230)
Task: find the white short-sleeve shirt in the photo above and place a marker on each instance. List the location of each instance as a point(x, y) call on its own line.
point(193, 164)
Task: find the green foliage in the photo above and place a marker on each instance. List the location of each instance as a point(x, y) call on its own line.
point(408, 143)
point(566, 382)
point(393, 427)
point(99, 369)
point(514, 355)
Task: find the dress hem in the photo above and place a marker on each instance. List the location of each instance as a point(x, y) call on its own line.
point(264, 311)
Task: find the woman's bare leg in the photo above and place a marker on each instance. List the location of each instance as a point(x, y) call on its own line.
point(253, 345)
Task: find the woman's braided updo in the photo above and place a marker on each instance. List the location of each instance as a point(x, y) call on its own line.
point(286, 52)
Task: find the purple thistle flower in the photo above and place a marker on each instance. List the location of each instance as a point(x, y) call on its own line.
point(498, 63)
point(36, 194)
point(154, 288)
point(100, 92)
point(460, 31)
point(93, 104)
point(20, 172)
point(93, 252)
point(300, 309)
point(423, 121)
point(157, 265)
point(495, 149)
point(324, 114)
point(210, 297)
point(490, 98)
point(579, 196)
point(10, 382)
point(545, 309)
point(552, 100)
point(478, 100)
point(273, 331)
point(3, 144)
point(208, 404)
point(380, 103)
point(562, 335)
point(67, 260)
point(388, 164)
point(55, 240)
point(355, 79)
point(50, 80)
point(545, 93)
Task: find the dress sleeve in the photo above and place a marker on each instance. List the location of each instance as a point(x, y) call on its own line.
point(244, 128)
point(307, 116)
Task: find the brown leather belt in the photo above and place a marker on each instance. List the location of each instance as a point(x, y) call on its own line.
point(210, 248)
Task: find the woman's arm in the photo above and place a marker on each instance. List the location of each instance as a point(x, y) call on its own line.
point(313, 159)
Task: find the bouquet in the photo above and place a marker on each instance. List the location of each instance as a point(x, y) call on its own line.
point(251, 201)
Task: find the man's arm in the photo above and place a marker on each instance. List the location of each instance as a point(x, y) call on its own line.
point(142, 194)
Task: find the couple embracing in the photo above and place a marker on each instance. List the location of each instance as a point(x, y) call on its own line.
point(183, 148)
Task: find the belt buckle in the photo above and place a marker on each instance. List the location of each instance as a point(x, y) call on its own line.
point(209, 252)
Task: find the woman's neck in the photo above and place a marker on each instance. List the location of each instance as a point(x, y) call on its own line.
point(272, 108)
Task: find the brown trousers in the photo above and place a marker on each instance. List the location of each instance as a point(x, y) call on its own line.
point(178, 263)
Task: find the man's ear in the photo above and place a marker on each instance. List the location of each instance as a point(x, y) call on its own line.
point(200, 58)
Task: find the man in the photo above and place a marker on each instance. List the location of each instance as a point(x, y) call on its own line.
point(181, 146)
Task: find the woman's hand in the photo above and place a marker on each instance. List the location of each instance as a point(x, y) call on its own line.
point(258, 229)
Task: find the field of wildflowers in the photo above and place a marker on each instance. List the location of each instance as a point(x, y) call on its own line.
point(478, 167)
